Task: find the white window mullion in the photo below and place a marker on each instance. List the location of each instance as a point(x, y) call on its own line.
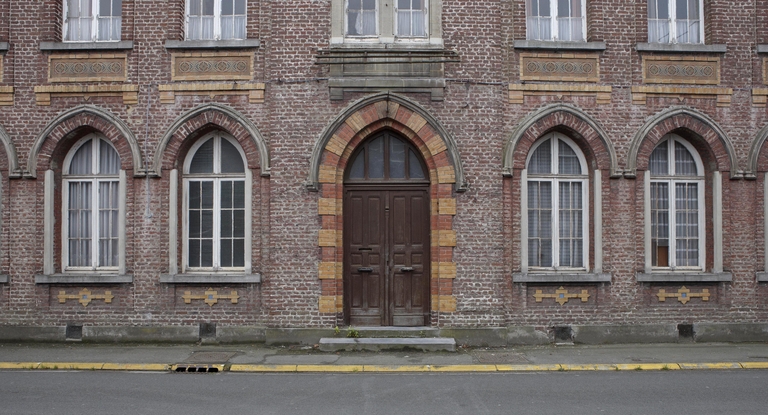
point(555, 221)
point(217, 19)
point(95, 20)
point(672, 21)
point(553, 20)
point(672, 218)
point(95, 216)
point(216, 223)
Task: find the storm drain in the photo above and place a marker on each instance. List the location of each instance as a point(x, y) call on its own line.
point(204, 362)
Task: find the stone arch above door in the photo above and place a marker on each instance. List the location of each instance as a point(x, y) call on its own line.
point(446, 176)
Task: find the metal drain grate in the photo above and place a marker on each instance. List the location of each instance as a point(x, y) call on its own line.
point(183, 368)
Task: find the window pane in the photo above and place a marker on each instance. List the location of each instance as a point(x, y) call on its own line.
point(414, 167)
point(227, 7)
point(659, 161)
point(108, 219)
point(358, 166)
point(396, 159)
point(109, 160)
point(687, 224)
point(568, 161)
point(570, 224)
point(376, 159)
point(206, 253)
point(79, 229)
point(660, 224)
point(239, 6)
point(81, 162)
point(685, 165)
point(194, 7)
point(208, 7)
point(541, 161)
point(540, 224)
point(202, 162)
point(226, 195)
point(206, 195)
point(231, 160)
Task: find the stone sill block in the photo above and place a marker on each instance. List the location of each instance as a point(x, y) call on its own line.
point(210, 278)
point(4, 46)
point(684, 277)
point(562, 278)
point(4, 279)
point(75, 278)
point(84, 46)
point(558, 45)
point(762, 277)
point(212, 44)
point(680, 48)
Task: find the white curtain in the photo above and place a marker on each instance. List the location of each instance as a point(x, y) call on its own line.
point(79, 17)
point(410, 18)
point(79, 231)
point(109, 209)
point(687, 224)
point(570, 223)
point(540, 223)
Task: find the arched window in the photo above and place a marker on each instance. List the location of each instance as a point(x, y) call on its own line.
point(216, 206)
point(677, 205)
point(92, 206)
point(557, 205)
point(386, 158)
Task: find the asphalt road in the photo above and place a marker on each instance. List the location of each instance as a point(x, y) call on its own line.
point(662, 392)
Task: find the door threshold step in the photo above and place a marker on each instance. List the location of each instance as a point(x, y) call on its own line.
point(374, 344)
point(394, 331)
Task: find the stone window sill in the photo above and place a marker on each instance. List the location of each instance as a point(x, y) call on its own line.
point(680, 48)
point(762, 48)
point(558, 45)
point(74, 278)
point(81, 46)
point(684, 277)
point(4, 46)
point(762, 277)
point(562, 278)
point(212, 44)
point(4, 279)
point(210, 278)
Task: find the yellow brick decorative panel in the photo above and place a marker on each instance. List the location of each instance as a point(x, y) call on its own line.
point(44, 93)
point(97, 67)
point(447, 303)
point(1, 67)
point(436, 145)
point(561, 296)
point(759, 97)
point(699, 70)
point(641, 93)
point(683, 295)
point(326, 237)
point(327, 304)
point(6, 95)
point(327, 174)
point(561, 67)
point(446, 174)
point(336, 145)
point(518, 92)
point(443, 270)
point(447, 206)
point(330, 270)
point(416, 122)
point(85, 296)
point(254, 91)
point(210, 297)
point(356, 122)
point(444, 238)
point(326, 206)
point(212, 66)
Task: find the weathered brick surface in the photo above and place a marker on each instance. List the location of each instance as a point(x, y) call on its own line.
point(296, 233)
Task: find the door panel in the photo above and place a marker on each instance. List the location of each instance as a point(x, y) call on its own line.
point(386, 257)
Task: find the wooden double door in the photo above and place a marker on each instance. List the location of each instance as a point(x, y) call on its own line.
point(386, 255)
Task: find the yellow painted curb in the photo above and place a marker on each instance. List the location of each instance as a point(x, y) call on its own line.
point(647, 366)
point(262, 368)
point(724, 365)
point(329, 368)
point(148, 367)
point(754, 365)
point(19, 365)
point(588, 367)
point(527, 368)
point(406, 368)
point(463, 368)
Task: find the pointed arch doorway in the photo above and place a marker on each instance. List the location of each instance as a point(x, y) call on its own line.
point(386, 234)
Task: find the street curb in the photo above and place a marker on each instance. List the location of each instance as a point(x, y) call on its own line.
point(307, 368)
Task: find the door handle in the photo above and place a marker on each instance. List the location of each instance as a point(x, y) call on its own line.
point(365, 269)
point(406, 269)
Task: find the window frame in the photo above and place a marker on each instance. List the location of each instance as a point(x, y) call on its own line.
point(95, 180)
point(672, 22)
point(386, 25)
point(216, 178)
point(95, 8)
point(671, 180)
point(555, 178)
point(217, 16)
point(554, 28)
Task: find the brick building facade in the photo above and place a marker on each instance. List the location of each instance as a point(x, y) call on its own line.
point(595, 168)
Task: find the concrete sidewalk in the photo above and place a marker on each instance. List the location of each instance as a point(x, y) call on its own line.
point(260, 358)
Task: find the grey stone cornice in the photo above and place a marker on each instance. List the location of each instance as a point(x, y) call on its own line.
point(559, 45)
point(562, 277)
point(684, 277)
point(210, 278)
point(212, 44)
point(680, 48)
point(83, 278)
point(78, 46)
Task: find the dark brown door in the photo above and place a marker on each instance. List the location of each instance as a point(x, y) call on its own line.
point(386, 245)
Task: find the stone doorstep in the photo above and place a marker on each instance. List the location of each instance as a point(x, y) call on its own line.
point(437, 344)
point(394, 331)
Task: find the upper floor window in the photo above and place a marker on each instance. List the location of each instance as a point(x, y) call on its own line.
point(381, 21)
point(92, 20)
point(675, 21)
point(677, 205)
point(215, 19)
point(216, 205)
point(557, 212)
point(556, 20)
point(91, 203)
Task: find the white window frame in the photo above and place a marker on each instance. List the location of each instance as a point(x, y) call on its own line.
point(672, 22)
point(554, 27)
point(216, 21)
point(95, 5)
point(94, 179)
point(386, 25)
point(555, 178)
point(671, 179)
point(216, 178)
